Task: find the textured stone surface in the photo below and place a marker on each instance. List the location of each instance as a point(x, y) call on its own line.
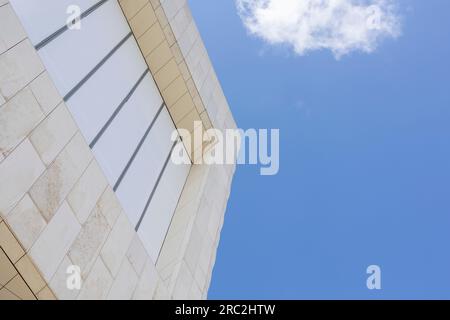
point(58, 283)
point(46, 294)
point(26, 221)
point(9, 244)
point(124, 284)
point(18, 117)
point(137, 255)
point(55, 184)
point(86, 247)
point(55, 241)
point(97, 284)
point(117, 244)
point(11, 31)
point(50, 137)
point(17, 174)
point(147, 283)
point(110, 207)
point(30, 274)
point(87, 191)
point(45, 92)
point(18, 67)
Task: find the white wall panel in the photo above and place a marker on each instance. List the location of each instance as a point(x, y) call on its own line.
point(118, 143)
point(72, 55)
point(41, 18)
point(94, 103)
point(159, 214)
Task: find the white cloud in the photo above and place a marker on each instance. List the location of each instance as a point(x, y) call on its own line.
point(341, 26)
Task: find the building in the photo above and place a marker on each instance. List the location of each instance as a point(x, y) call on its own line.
point(91, 205)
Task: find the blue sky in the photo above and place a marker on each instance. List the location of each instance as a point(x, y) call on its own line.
point(364, 162)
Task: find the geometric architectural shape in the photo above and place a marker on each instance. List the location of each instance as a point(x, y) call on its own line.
point(88, 186)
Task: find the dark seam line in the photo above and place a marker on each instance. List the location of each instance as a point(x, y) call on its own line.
point(60, 31)
point(155, 187)
point(127, 167)
point(118, 109)
point(98, 66)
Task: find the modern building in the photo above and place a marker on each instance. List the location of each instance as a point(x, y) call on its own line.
point(91, 204)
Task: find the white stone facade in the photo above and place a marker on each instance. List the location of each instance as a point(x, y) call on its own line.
point(60, 204)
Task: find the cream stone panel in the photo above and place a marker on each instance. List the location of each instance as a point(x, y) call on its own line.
point(125, 283)
point(18, 287)
point(17, 118)
point(147, 283)
point(161, 292)
point(151, 39)
point(11, 31)
point(194, 249)
point(155, 3)
point(201, 107)
point(171, 7)
point(6, 295)
point(26, 222)
point(167, 74)
point(85, 194)
point(45, 92)
point(9, 244)
point(50, 137)
point(184, 283)
point(159, 57)
point(161, 16)
point(190, 121)
point(110, 207)
point(200, 278)
point(7, 269)
point(18, 67)
point(132, 7)
point(182, 219)
point(196, 293)
point(143, 20)
point(186, 75)
point(172, 252)
point(117, 244)
point(97, 284)
point(182, 108)
point(46, 294)
point(55, 184)
point(214, 223)
point(58, 283)
point(89, 242)
point(174, 91)
point(169, 35)
point(205, 256)
point(194, 185)
point(198, 62)
point(30, 274)
point(55, 241)
point(204, 214)
point(18, 172)
point(137, 255)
